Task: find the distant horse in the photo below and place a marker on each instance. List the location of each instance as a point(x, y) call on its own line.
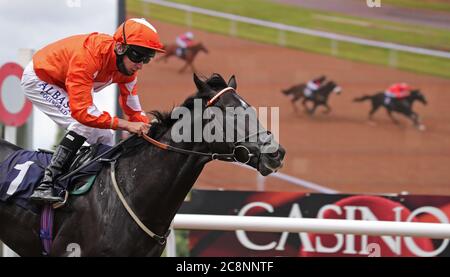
point(319, 97)
point(188, 57)
point(153, 177)
point(403, 106)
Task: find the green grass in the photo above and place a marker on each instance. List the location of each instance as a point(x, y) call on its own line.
point(407, 61)
point(437, 5)
point(420, 36)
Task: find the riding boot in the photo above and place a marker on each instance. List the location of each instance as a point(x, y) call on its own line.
point(62, 157)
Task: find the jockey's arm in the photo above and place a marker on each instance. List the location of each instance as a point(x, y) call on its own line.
point(312, 86)
point(133, 127)
point(130, 104)
point(181, 43)
point(79, 84)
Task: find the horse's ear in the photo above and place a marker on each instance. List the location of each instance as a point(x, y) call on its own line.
point(232, 82)
point(201, 86)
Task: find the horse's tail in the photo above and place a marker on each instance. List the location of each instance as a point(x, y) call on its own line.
point(285, 91)
point(363, 98)
point(293, 90)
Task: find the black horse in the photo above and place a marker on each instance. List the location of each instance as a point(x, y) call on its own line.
point(154, 182)
point(403, 106)
point(319, 97)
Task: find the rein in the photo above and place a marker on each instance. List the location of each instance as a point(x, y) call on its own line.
point(213, 156)
point(164, 146)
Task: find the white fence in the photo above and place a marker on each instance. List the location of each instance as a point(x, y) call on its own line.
point(313, 225)
point(261, 180)
point(283, 28)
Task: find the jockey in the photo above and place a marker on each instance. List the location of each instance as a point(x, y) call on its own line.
point(313, 85)
point(398, 91)
point(62, 76)
point(183, 42)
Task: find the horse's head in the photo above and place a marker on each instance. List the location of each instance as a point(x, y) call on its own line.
point(231, 130)
point(417, 95)
point(200, 47)
point(329, 87)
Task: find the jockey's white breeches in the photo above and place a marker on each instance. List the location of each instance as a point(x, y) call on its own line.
point(389, 94)
point(312, 86)
point(181, 43)
point(54, 102)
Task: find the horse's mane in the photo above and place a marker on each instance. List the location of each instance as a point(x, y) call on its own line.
point(162, 119)
point(328, 85)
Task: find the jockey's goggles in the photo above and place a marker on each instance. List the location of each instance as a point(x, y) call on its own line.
point(138, 57)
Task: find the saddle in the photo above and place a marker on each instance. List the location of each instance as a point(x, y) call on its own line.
point(181, 52)
point(307, 92)
point(23, 170)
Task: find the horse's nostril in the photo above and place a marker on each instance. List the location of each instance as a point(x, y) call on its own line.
point(274, 154)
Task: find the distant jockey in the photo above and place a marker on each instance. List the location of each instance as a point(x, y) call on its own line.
point(313, 85)
point(397, 91)
point(183, 42)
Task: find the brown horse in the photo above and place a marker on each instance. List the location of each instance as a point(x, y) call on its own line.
point(188, 57)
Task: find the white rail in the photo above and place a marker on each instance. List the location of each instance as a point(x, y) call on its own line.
point(300, 30)
point(313, 225)
point(290, 179)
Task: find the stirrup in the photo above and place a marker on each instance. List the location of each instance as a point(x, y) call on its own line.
point(57, 205)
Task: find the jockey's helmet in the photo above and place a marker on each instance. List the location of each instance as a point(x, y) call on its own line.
point(189, 35)
point(139, 32)
point(404, 86)
point(139, 41)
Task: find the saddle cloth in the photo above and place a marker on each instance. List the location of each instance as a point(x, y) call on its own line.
point(22, 171)
point(307, 92)
point(180, 52)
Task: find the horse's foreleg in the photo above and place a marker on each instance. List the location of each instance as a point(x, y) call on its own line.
point(313, 109)
point(193, 68)
point(293, 104)
point(392, 117)
point(304, 104)
point(183, 68)
point(416, 120)
point(328, 109)
point(372, 111)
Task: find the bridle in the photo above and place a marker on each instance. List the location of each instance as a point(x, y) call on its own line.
point(213, 156)
point(162, 239)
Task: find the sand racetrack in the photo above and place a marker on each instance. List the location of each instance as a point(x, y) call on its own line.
point(339, 150)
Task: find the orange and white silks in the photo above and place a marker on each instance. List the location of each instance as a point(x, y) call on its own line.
point(81, 64)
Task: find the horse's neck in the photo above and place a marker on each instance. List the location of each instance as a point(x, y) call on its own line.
point(196, 49)
point(157, 181)
point(327, 90)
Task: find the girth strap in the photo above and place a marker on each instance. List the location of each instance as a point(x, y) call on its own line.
point(160, 239)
